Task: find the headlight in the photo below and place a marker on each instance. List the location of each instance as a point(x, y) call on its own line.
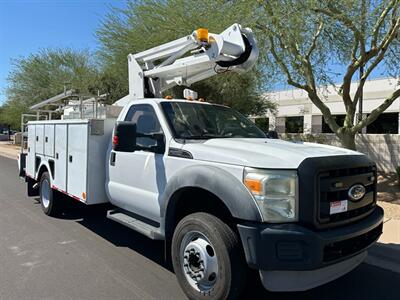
point(276, 193)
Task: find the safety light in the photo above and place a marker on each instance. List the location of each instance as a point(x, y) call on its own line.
point(168, 97)
point(202, 35)
point(189, 94)
point(115, 140)
point(254, 185)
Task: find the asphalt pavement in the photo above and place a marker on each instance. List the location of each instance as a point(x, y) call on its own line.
point(83, 255)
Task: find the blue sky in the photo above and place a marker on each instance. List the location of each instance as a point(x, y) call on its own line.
point(27, 26)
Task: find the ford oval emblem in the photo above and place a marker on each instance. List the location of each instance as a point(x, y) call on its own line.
point(356, 192)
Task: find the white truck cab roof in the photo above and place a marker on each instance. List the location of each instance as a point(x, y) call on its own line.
point(128, 101)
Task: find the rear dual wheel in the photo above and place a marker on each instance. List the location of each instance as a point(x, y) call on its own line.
point(49, 198)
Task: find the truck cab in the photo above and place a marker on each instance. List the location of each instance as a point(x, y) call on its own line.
point(202, 177)
point(300, 209)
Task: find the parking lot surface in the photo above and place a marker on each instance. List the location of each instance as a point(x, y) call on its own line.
point(83, 255)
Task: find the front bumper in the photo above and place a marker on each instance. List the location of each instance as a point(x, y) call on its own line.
point(280, 247)
point(294, 281)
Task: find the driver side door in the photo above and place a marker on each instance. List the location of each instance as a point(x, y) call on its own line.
point(136, 179)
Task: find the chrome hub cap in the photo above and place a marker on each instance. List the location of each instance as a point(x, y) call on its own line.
point(45, 193)
point(200, 263)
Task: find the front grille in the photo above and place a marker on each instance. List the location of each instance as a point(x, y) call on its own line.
point(350, 171)
point(351, 246)
point(334, 186)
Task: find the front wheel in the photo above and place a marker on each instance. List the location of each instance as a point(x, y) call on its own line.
point(208, 259)
point(49, 200)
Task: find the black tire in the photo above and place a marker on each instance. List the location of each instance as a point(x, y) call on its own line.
point(49, 198)
point(232, 269)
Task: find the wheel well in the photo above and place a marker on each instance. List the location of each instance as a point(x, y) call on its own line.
point(190, 200)
point(42, 169)
point(51, 165)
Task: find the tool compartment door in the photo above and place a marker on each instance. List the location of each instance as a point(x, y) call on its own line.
point(60, 174)
point(49, 140)
point(30, 161)
point(39, 139)
point(77, 160)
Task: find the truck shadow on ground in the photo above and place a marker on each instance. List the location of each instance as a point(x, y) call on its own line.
point(365, 282)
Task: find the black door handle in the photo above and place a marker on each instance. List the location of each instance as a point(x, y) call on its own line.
point(113, 158)
point(70, 158)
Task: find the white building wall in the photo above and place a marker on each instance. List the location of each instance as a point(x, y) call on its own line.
point(383, 149)
point(295, 102)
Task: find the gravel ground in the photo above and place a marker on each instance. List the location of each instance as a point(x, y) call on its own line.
point(389, 195)
point(389, 188)
point(392, 211)
point(9, 150)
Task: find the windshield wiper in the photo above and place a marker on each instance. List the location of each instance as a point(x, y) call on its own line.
point(204, 136)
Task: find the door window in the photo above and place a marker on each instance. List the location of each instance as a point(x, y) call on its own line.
point(146, 123)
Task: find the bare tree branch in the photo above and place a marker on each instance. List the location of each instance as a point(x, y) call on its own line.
point(383, 47)
point(354, 51)
point(282, 65)
point(345, 88)
point(329, 119)
point(337, 15)
point(359, 42)
point(381, 19)
point(377, 111)
point(366, 33)
point(315, 38)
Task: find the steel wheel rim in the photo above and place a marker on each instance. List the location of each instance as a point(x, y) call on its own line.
point(45, 193)
point(199, 261)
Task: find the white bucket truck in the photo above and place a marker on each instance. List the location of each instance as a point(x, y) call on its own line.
point(207, 181)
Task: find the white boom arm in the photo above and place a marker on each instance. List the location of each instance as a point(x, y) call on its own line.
point(155, 70)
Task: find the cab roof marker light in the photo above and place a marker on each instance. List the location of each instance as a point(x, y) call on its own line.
point(189, 94)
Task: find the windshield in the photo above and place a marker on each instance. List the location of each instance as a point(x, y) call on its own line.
point(203, 121)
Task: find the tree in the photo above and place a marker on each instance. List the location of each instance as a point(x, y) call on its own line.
point(306, 38)
point(43, 75)
point(148, 23)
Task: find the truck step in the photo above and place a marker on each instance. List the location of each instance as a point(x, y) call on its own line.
point(148, 228)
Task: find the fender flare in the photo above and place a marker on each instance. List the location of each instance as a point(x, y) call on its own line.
point(44, 164)
point(221, 183)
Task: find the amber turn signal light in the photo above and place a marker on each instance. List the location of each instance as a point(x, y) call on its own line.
point(253, 185)
point(202, 35)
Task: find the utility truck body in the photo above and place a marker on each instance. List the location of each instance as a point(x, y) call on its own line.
point(208, 182)
point(76, 149)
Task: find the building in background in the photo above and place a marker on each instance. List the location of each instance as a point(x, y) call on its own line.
point(4, 128)
point(297, 114)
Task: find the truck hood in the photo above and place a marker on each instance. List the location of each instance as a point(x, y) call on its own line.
point(261, 153)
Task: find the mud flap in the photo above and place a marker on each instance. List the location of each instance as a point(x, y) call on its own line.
point(32, 187)
point(22, 164)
